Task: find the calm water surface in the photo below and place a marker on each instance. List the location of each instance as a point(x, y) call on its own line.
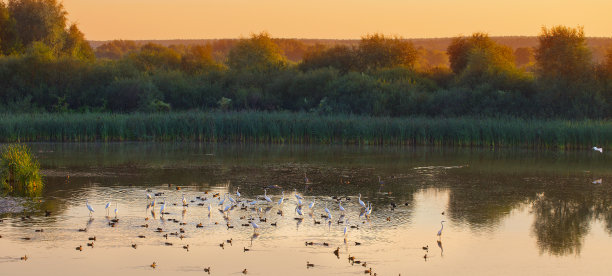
point(506, 211)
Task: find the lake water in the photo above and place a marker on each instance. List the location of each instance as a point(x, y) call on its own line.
point(506, 211)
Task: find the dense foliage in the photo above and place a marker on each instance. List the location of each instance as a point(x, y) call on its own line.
point(19, 171)
point(47, 66)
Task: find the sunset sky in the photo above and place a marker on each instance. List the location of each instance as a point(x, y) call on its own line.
point(193, 19)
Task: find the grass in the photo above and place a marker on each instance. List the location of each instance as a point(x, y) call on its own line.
point(305, 128)
point(19, 171)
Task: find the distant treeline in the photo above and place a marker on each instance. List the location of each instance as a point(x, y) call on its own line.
point(48, 66)
point(296, 48)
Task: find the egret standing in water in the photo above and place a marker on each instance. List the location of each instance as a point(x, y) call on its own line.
point(280, 201)
point(116, 209)
point(340, 207)
point(266, 197)
point(106, 207)
point(255, 227)
point(361, 202)
point(161, 209)
point(238, 192)
point(440, 231)
point(91, 209)
point(598, 149)
point(297, 196)
point(346, 226)
point(311, 205)
point(327, 211)
point(184, 201)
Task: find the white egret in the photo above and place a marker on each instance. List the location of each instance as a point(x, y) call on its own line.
point(346, 227)
point(598, 149)
point(116, 209)
point(255, 226)
point(149, 196)
point(266, 197)
point(106, 207)
point(91, 209)
point(369, 210)
point(341, 208)
point(184, 201)
point(298, 209)
point(597, 181)
point(161, 209)
point(223, 201)
point(327, 210)
point(311, 205)
point(361, 202)
point(226, 209)
point(209, 208)
point(237, 192)
point(440, 231)
point(280, 201)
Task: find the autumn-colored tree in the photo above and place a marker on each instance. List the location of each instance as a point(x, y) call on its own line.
point(197, 58)
point(7, 30)
point(380, 51)
point(256, 54)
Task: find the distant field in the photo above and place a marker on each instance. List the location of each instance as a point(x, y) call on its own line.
point(305, 128)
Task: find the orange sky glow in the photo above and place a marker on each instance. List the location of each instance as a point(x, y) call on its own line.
point(336, 19)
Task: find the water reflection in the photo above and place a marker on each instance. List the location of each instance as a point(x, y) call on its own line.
point(477, 191)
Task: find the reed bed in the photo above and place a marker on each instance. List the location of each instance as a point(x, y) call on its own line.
point(304, 128)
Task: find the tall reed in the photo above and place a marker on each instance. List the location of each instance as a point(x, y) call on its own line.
point(19, 171)
point(306, 128)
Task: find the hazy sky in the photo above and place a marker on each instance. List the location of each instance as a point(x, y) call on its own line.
point(187, 19)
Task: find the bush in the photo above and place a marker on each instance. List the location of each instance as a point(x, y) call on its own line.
point(19, 171)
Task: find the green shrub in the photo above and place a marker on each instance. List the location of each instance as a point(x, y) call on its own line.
point(19, 171)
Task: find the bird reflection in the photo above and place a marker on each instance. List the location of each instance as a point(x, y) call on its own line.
point(441, 248)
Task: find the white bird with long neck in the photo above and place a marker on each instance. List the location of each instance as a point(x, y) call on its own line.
point(441, 228)
point(282, 199)
point(116, 209)
point(266, 197)
point(223, 201)
point(341, 207)
point(106, 207)
point(327, 210)
point(311, 205)
point(297, 196)
point(184, 201)
point(598, 149)
point(237, 192)
point(91, 209)
point(361, 202)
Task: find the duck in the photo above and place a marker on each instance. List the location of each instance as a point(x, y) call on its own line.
point(79, 248)
point(134, 245)
point(368, 271)
point(25, 257)
point(426, 247)
point(244, 271)
point(153, 265)
point(90, 244)
point(337, 251)
point(357, 243)
point(92, 238)
point(246, 249)
point(142, 236)
point(186, 247)
point(308, 264)
point(168, 243)
point(207, 270)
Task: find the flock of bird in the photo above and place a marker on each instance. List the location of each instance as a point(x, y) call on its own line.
point(226, 204)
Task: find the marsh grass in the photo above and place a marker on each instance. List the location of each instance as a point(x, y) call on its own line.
point(19, 171)
point(305, 128)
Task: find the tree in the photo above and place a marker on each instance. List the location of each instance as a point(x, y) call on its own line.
point(563, 56)
point(257, 54)
point(76, 46)
point(341, 57)
point(153, 57)
point(116, 49)
point(460, 49)
point(379, 51)
point(7, 30)
point(39, 20)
